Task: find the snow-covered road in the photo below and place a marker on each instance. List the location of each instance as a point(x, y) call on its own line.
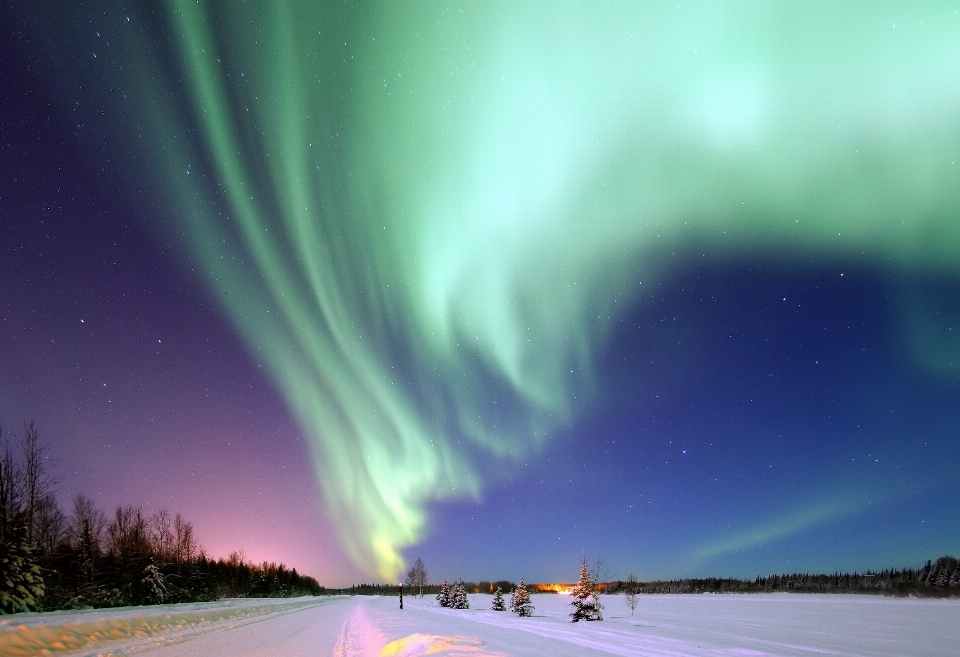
point(675, 626)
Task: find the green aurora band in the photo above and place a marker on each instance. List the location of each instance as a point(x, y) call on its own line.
point(423, 216)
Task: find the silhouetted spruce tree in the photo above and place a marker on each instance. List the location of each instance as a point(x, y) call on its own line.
point(498, 604)
point(520, 601)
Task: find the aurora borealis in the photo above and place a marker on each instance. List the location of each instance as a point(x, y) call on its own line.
point(473, 245)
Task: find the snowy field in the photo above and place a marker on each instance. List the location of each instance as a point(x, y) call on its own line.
point(675, 626)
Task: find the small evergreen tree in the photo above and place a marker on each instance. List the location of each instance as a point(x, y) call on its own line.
point(498, 604)
point(21, 585)
point(443, 597)
point(458, 598)
point(520, 601)
point(584, 604)
point(154, 584)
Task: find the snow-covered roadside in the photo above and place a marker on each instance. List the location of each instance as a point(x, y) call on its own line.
point(668, 625)
point(133, 629)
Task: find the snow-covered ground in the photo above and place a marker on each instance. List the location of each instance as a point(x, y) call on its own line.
point(678, 625)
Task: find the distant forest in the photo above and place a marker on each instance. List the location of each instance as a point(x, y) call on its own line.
point(429, 590)
point(51, 559)
point(940, 578)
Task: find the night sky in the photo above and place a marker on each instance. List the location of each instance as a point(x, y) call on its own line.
point(495, 284)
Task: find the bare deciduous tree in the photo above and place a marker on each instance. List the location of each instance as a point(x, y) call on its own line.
point(87, 527)
point(36, 481)
point(51, 526)
point(127, 534)
point(161, 537)
point(185, 543)
point(631, 591)
point(11, 491)
point(417, 577)
point(600, 575)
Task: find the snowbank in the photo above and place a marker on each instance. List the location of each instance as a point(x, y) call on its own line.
point(663, 625)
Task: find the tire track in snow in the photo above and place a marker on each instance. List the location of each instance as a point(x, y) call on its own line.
point(358, 637)
point(348, 644)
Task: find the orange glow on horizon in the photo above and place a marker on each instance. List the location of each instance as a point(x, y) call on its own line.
point(551, 588)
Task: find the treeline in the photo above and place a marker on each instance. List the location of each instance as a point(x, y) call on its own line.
point(55, 559)
point(940, 578)
point(428, 589)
